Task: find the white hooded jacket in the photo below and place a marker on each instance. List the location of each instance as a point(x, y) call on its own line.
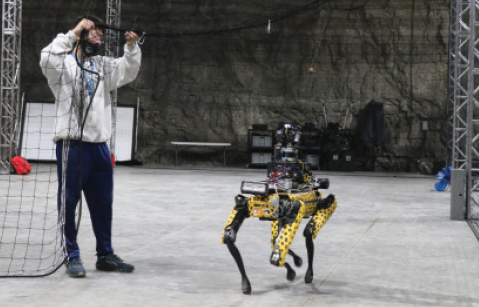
point(65, 78)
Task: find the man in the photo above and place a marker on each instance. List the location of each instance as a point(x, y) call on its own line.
point(81, 82)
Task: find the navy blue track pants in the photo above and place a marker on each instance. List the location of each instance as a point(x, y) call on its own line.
point(96, 182)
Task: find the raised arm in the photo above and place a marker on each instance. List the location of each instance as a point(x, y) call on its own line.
point(53, 55)
point(125, 69)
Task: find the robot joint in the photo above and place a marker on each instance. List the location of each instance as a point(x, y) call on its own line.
point(308, 231)
point(293, 209)
point(242, 204)
point(229, 236)
point(275, 258)
point(327, 202)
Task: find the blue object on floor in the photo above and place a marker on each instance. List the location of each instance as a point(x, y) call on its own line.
point(444, 179)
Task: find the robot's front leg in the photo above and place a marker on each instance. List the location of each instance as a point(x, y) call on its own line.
point(235, 220)
point(275, 225)
point(275, 228)
point(324, 211)
point(286, 235)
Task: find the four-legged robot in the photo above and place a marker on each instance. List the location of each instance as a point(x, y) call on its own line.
point(289, 195)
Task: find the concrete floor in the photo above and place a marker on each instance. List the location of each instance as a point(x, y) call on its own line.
point(389, 243)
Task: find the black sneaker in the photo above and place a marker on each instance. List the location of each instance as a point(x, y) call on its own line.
point(112, 262)
point(75, 268)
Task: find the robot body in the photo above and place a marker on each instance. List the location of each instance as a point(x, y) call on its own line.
point(289, 195)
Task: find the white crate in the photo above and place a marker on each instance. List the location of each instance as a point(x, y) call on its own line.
point(313, 160)
point(260, 157)
point(262, 141)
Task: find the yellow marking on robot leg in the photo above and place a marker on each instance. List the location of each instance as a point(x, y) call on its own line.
point(322, 216)
point(230, 220)
point(286, 236)
point(274, 232)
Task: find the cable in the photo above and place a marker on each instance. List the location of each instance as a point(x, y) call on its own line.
point(162, 33)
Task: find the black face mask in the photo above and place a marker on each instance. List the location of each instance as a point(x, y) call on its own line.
point(89, 49)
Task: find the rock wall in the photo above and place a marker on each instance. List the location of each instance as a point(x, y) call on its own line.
point(213, 87)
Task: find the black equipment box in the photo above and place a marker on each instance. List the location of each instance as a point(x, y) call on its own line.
point(331, 161)
point(338, 161)
point(347, 161)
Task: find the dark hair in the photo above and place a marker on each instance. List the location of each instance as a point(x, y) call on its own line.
point(96, 20)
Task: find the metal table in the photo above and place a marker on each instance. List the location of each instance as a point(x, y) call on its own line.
point(224, 145)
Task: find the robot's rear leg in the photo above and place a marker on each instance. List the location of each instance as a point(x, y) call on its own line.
point(290, 273)
point(230, 231)
point(297, 260)
point(308, 277)
point(326, 208)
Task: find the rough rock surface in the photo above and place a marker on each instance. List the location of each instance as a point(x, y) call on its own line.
point(212, 88)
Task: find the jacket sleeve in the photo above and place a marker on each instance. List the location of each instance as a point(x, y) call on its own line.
point(120, 71)
point(53, 55)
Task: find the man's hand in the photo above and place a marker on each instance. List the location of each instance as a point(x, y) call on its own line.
point(131, 38)
point(85, 24)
